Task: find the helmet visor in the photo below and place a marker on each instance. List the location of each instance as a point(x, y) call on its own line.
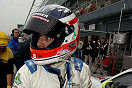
point(45, 24)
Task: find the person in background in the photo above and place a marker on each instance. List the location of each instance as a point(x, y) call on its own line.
point(78, 53)
point(26, 36)
point(79, 48)
point(102, 53)
point(14, 44)
point(55, 38)
point(103, 48)
point(22, 54)
point(6, 63)
point(110, 47)
point(89, 48)
point(95, 39)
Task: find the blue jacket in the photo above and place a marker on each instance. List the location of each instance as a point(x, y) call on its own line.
point(13, 45)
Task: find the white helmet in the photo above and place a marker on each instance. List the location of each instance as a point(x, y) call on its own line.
point(57, 22)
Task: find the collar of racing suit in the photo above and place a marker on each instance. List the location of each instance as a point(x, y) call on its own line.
point(61, 69)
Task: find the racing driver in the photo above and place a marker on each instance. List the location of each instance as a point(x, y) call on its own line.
point(55, 38)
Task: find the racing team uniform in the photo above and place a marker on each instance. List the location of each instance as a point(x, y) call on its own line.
point(34, 76)
point(56, 28)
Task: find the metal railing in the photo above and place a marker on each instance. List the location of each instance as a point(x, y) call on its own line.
point(85, 5)
point(78, 5)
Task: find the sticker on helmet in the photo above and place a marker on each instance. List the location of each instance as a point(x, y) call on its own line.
point(17, 79)
point(34, 56)
point(41, 18)
point(64, 51)
point(74, 36)
point(40, 14)
point(72, 45)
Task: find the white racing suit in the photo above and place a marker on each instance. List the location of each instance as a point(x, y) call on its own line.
point(76, 75)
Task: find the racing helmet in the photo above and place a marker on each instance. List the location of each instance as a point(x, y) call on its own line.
point(56, 22)
point(3, 39)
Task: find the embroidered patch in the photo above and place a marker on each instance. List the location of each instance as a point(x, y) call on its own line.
point(74, 84)
point(17, 79)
